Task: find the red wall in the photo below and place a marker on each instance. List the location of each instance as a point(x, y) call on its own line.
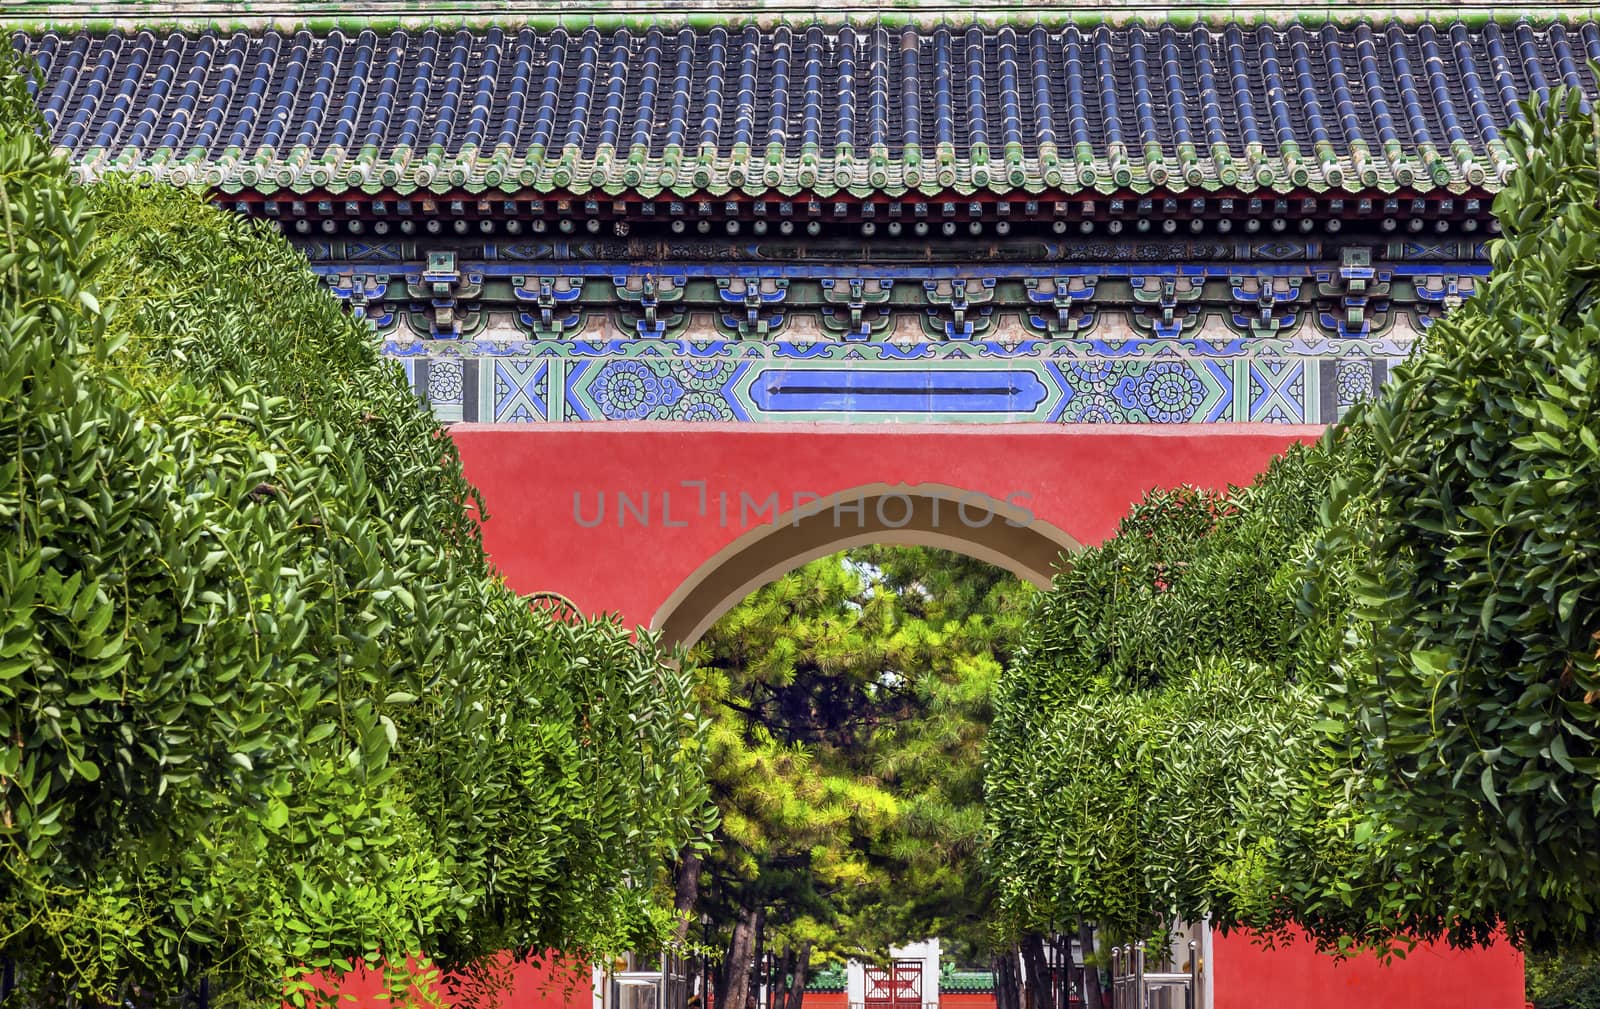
point(530, 986)
point(1080, 478)
point(947, 1000)
point(1297, 977)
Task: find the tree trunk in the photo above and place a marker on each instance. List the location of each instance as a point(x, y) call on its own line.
point(741, 957)
point(800, 964)
point(719, 983)
point(780, 978)
point(1038, 975)
point(1005, 979)
point(687, 890)
point(757, 967)
point(1092, 996)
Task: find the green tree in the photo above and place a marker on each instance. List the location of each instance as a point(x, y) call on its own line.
point(1570, 980)
point(1468, 704)
point(1407, 613)
point(267, 709)
point(849, 701)
point(964, 618)
point(1165, 686)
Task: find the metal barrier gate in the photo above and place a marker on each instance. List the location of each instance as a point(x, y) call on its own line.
point(1133, 987)
point(898, 986)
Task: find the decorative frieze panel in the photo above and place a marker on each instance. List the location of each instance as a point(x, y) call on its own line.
point(1064, 305)
point(649, 306)
point(755, 306)
point(959, 308)
point(1359, 293)
point(855, 308)
point(1439, 294)
point(834, 256)
point(509, 337)
point(366, 294)
point(1266, 305)
point(984, 381)
point(446, 297)
point(1167, 305)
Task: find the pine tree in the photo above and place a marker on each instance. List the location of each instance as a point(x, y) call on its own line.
point(849, 701)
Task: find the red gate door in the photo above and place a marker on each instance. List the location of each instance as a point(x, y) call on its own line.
point(898, 986)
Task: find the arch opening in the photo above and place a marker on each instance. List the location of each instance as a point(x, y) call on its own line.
point(1002, 532)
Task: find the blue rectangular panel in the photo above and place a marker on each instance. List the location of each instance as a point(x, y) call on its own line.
point(900, 391)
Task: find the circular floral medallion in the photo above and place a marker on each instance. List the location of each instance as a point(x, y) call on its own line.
point(1093, 372)
point(444, 382)
point(1168, 392)
point(704, 406)
point(699, 373)
point(1355, 381)
point(1095, 408)
point(630, 390)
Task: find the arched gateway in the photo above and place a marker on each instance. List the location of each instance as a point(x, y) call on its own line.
point(708, 291)
point(671, 524)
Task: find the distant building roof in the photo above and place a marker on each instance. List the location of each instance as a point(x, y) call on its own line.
point(738, 110)
point(830, 978)
point(967, 981)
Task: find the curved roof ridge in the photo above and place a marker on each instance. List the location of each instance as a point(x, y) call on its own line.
point(614, 14)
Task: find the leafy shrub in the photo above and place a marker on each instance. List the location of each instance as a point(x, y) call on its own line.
point(1564, 981)
point(1425, 579)
point(1165, 681)
point(268, 710)
point(1470, 696)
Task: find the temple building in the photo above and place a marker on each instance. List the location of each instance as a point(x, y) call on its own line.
point(752, 214)
point(1059, 212)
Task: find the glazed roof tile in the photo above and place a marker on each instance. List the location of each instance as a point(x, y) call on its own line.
point(826, 111)
point(967, 981)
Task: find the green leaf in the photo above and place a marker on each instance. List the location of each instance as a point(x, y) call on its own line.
point(1486, 783)
point(1569, 602)
point(1553, 415)
point(1434, 661)
point(1558, 753)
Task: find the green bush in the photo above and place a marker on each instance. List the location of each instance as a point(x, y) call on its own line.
point(1165, 687)
point(1564, 981)
point(1417, 603)
point(1470, 695)
point(269, 710)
